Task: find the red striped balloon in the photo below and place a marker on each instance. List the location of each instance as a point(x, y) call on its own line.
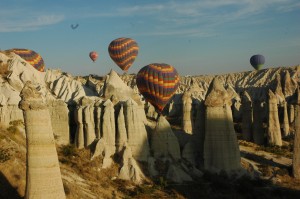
point(123, 52)
point(157, 83)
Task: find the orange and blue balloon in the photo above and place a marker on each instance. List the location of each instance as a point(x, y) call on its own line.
point(123, 52)
point(30, 57)
point(157, 83)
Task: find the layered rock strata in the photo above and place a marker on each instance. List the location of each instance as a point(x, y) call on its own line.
point(43, 177)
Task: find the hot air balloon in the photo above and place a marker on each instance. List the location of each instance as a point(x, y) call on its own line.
point(93, 55)
point(74, 26)
point(123, 52)
point(257, 61)
point(30, 57)
point(157, 83)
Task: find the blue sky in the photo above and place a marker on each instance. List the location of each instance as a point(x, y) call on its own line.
point(195, 36)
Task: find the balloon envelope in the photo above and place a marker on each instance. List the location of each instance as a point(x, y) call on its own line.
point(257, 61)
point(123, 52)
point(30, 57)
point(157, 83)
point(93, 55)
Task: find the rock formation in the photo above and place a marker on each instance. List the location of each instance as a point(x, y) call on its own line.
point(59, 113)
point(79, 135)
point(163, 141)
point(43, 172)
point(296, 152)
point(109, 133)
point(130, 169)
point(136, 130)
point(285, 121)
point(247, 117)
point(115, 86)
point(88, 125)
point(274, 134)
point(121, 136)
point(187, 112)
point(258, 130)
point(221, 150)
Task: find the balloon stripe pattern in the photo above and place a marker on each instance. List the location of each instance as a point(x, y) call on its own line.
point(123, 52)
point(31, 57)
point(157, 83)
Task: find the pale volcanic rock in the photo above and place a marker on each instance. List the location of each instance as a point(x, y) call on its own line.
point(136, 130)
point(115, 86)
point(221, 150)
point(64, 86)
point(288, 86)
point(247, 117)
point(285, 121)
point(59, 113)
point(291, 113)
point(163, 141)
point(79, 135)
point(274, 133)
point(121, 136)
point(278, 90)
point(187, 112)
point(98, 111)
point(43, 173)
point(151, 112)
point(296, 150)
point(217, 95)
point(109, 131)
point(88, 125)
point(130, 170)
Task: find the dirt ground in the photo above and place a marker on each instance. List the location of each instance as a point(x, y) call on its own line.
point(269, 176)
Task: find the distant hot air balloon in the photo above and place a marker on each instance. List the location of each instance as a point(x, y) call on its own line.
point(74, 26)
point(257, 61)
point(157, 83)
point(30, 57)
point(93, 55)
point(123, 52)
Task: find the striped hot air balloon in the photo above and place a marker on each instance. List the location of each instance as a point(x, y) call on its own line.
point(157, 83)
point(30, 57)
point(123, 52)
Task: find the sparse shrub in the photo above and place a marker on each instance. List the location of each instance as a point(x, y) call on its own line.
point(13, 126)
point(4, 155)
point(277, 150)
point(162, 183)
point(69, 150)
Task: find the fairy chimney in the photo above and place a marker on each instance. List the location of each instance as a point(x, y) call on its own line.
point(221, 150)
point(274, 134)
point(43, 177)
point(247, 117)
